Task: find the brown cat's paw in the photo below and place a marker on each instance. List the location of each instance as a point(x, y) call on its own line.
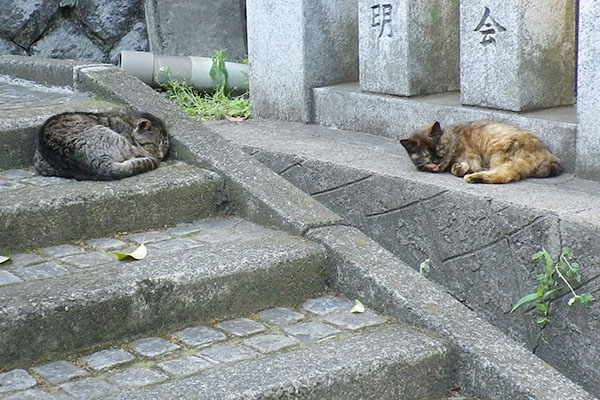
point(476, 177)
point(459, 169)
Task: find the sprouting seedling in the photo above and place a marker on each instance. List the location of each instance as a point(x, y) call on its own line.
point(555, 277)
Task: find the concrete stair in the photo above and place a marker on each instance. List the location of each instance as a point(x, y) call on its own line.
point(69, 297)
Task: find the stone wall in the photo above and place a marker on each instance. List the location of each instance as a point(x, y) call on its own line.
point(87, 30)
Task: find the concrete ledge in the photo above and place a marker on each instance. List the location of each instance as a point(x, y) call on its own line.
point(346, 107)
point(34, 215)
point(493, 365)
point(395, 363)
point(232, 268)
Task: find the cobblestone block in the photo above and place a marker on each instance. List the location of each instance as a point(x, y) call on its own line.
point(62, 250)
point(105, 359)
point(17, 379)
point(353, 321)
point(25, 259)
point(226, 353)
point(152, 347)
point(312, 331)
point(32, 394)
point(90, 388)
point(280, 316)
point(326, 304)
point(241, 327)
point(270, 343)
point(87, 260)
point(42, 271)
point(148, 237)
point(59, 371)
point(107, 244)
point(199, 336)
point(137, 377)
point(184, 366)
point(173, 245)
point(6, 278)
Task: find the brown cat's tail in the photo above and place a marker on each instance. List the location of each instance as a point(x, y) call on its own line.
point(548, 169)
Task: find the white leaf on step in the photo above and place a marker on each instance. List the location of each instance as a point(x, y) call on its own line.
point(358, 307)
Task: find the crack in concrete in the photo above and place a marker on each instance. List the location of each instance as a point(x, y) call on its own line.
point(405, 206)
point(342, 186)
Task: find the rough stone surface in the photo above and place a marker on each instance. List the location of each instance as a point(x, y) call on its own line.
point(16, 379)
point(270, 343)
point(105, 359)
point(408, 47)
point(199, 336)
point(90, 30)
point(324, 36)
point(518, 55)
point(90, 388)
point(59, 371)
point(184, 366)
point(311, 331)
point(227, 353)
point(280, 316)
point(152, 347)
point(588, 101)
point(137, 377)
point(241, 327)
point(219, 25)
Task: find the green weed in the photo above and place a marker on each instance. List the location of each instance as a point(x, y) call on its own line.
point(557, 276)
point(220, 104)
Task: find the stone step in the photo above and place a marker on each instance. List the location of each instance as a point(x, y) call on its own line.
point(38, 211)
point(73, 296)
point(315, 350)
point(25, 105)
point(479, 239)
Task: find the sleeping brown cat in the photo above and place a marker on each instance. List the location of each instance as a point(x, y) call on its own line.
point(481, 151)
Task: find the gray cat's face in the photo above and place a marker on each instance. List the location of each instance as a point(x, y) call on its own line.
point(151, 134)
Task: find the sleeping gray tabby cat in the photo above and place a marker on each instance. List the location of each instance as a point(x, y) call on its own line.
point(105, 146)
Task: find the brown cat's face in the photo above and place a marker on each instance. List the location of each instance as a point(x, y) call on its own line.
point(151, 134)
point(428, 149)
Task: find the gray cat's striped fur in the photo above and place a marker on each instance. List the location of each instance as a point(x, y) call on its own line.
point(100, 146)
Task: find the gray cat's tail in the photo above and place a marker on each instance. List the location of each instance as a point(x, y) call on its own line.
point(134, 166)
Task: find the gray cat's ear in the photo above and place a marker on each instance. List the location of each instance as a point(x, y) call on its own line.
point(409, 145)
point(143, 124)
point(436, 130)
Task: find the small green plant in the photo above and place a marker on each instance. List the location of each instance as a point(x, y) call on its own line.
point(220, 104)
point(558, 274)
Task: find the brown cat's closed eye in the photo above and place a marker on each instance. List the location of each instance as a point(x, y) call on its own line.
point(100, 146)
point(482, 152)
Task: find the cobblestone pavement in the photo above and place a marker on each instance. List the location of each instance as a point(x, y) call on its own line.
point(190, 350)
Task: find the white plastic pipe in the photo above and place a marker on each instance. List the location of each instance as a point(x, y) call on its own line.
point(152, 70)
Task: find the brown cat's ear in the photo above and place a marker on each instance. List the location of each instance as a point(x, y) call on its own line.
point(410, 145)
point(436, 131)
